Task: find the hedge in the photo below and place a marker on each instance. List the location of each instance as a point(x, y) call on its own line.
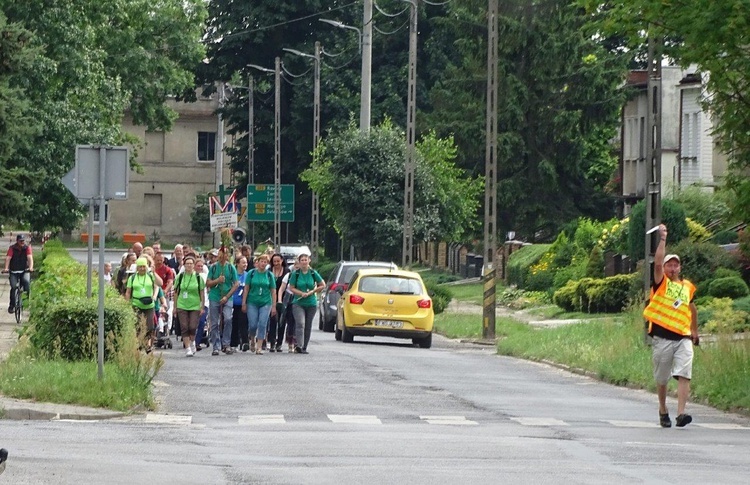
point(594, 295)
point(728, 287)
point(440, 295)
point(520, 262)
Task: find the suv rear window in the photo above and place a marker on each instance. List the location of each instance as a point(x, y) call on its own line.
point(390, 285)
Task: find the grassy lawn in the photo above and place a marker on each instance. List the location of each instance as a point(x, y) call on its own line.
point(457, 325)
point(554, 312)
point(470, 292)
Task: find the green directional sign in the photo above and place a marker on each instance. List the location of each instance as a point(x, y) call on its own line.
point(260, 202)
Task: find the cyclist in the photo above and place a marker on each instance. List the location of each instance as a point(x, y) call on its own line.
point(19, 258)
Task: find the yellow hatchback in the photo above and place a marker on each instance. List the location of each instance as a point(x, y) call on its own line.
point(387, 303)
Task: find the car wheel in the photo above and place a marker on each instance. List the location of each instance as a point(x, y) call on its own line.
point(329, 325)
point(346, 335)
point(423, 343)
point(337, 333)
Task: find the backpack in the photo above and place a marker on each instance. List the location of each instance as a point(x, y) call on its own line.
point(249, 280)
point(132, 278)
point(179, 282)
point(295, 274)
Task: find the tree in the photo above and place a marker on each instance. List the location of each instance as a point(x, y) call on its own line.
point(673, 216)
point(360, 179)
point(98, 62)
point(709, 35)
point(17, 126)
point(200, 216)
point(558, 108)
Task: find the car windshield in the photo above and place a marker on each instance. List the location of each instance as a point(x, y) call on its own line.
point(348, 271)
point(390, 285)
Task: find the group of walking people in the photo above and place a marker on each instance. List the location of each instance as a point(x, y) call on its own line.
point(247, 309)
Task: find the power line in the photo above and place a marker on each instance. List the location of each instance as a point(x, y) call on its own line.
point(383, 12)
point(393, 31)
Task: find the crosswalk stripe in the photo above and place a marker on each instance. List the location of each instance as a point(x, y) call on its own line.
point(448, 420)
point(631, 424)
point(354, 419)
point(540, 421)
point(262, 419)
point(168, 419)
point(722, 426)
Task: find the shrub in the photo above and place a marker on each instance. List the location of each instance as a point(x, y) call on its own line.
point(726, 273)
point(69, 329)
point(614, 236)
point(725, 318)
point(441, 297)
point(672, 215)
point(587, 235)
point(566, 297)
point(725, 237)
point(697, 231)
point(520, 262)
point(729, 287)
point(700, 261)
point(595, 266)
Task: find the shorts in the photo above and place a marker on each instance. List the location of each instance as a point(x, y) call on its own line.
point(188, 322)
point(672, 358)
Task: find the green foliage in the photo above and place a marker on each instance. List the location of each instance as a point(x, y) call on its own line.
point(614, 237)
point(697, 231)
point(728, 287)
point(360, 179)
point(699, 261)
point(441, 297)
point(520, 262)
point(723, 317)
point(672, 215)
point(595, 266)
point(725, 237)
point(594, 295)
point(566, 297)
point(200, 216)
point(701, 205)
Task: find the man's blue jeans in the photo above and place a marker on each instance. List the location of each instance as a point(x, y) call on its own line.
point(218, 338)
point(24, 279)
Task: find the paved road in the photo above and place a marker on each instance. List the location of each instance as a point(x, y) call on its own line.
point(381, 411)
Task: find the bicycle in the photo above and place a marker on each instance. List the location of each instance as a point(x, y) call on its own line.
point(18, 289)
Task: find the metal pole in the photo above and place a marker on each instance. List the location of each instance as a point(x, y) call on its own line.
point(411, 113)
point(653, 157)
point(490, 180)
point(251, 147)
point(366, 90)
point(102, 232)
point(220, 141)
point(90, 253)
point(314, 235)
point(277, 159)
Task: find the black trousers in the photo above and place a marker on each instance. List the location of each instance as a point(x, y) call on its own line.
point(239, 327)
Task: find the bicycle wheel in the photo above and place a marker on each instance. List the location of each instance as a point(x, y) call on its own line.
point(19, 306)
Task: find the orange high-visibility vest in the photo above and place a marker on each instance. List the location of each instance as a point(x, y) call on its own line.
point(669, 306)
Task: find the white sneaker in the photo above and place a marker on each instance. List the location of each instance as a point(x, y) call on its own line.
point(189, 352)
point(192, 346)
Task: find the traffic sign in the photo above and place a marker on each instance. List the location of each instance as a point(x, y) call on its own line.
point(83, 179)
point(260, 202)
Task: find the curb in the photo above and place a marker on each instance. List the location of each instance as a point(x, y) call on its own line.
point(16, 410)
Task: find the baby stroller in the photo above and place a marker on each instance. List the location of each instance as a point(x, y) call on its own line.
point(163, 326)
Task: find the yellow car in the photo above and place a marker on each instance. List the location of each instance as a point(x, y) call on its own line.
point(388, 303)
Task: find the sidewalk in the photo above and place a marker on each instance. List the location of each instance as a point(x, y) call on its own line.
point(22, 409)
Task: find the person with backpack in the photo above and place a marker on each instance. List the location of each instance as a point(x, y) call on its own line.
point(142, 292)
point(279, 270)
point(190, 303)
point(239, 319)
point(258, 302)
point(222, 283)
point(305, 283)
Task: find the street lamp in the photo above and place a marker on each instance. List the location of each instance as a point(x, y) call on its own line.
point(277, 150)
point(315, 220)
point(365, 47)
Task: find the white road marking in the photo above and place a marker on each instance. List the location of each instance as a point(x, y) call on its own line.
point(168, 419)
point(449, 420)
point(353, 419)
point(631, 424)
point(262, 419)
point(540, 421)
point(721, 426)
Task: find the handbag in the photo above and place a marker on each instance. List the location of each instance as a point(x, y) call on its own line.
point(146, 300)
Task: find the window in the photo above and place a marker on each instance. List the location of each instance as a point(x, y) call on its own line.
point(206, 146)
point(152, 209)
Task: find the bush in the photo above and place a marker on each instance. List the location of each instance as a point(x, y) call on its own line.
point(592, 295)
point(520, 262)
point(700, 261)
point(69, 329)
point(729, 287)
point(566, 297)
point(672, 215)
point(725, 237)
point(441, 297)
point(697, 231)
point(595, 266)
point(723, 317)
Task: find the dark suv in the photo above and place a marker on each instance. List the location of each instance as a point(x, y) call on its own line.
point(338, 282)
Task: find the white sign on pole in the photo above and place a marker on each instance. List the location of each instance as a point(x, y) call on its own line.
point(223, 220)
point(85, 174)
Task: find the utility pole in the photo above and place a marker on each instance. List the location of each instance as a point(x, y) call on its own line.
point(219, 155)
point(653, 155)
point(409, 166)
point(366, 92)
point(277, 158)
point(490, 177)
point(251, 146)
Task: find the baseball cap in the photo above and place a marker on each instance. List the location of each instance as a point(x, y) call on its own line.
point(671, 256)
point(21, 237)
point(141, 262)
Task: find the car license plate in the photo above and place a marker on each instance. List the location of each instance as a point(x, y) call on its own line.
point(389, 323)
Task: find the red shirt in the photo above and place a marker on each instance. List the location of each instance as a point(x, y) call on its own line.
point(18, 257)
point(165, 273)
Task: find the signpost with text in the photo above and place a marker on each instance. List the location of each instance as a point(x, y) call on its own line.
point(260, 199)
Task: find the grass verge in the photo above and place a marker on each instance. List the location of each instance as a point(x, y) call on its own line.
point(613, 350)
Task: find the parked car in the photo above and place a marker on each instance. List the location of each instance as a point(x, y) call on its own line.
point(291, 251)
point(338, 282)
point(388, 303)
